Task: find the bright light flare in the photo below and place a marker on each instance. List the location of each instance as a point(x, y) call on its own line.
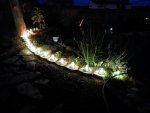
point(62, 62)
point(39, 51)
point(102, 72)
point(25, 34)
point(81, 22)
point(55, 39)
point(46, 54)
point(53, 58)
point(146, 18)
point(86, 69)
point(72, 66)
point(111, 29)
point(117, 73)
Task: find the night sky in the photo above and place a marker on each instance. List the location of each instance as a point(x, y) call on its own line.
point(86, 2)
point(81, 2)
point(133, 2)
point(140, 2)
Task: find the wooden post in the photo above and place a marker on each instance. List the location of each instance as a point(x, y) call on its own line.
point(18, 16)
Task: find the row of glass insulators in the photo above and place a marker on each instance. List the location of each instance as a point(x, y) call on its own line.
point(46, 54)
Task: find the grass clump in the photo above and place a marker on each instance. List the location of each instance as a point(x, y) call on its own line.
point(90, 47)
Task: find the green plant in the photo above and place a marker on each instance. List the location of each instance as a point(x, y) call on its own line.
point(112, 65)
point(90, 47)
point(71, 59)
point(117, 62)
point(38, 18)
point(58, 54)
point(79, 61)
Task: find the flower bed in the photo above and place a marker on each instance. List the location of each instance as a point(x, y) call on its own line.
point(108, 68)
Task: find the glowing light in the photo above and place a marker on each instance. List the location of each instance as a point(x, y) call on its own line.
point(36, 29)
point(30, 30)
point(62, 62)
point(53, 58)
point(102, 72)
point(39, 51)
point(117, 72)
point(46, 54)
point(73, 66)
point(26, 34)
point(86, 68)
point(55, 39)
point(146, 18)
point(32, 48)
point(111, 29)
point(96, 72)
point(80, 25)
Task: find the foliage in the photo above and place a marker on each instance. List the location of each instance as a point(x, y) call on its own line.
point(97, 53)
point(79, 61)
point(93, 52)
point(90, 47)
point(58, 54)
point(71, 59)
point(114, 64)
point(38, 18)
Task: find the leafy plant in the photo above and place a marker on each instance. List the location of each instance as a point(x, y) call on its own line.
point(71, 59)
point(79, 61)
point(38, 18)
point(58, 54)
point(117, 62)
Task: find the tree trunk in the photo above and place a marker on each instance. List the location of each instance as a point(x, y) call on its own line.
point(18, 16)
